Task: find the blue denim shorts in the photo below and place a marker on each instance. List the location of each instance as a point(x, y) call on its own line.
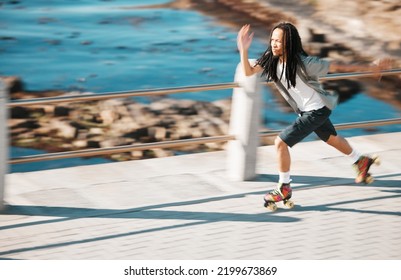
point(311, 121)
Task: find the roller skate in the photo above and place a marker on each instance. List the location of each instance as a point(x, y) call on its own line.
point(362, 166)
point(283, 193)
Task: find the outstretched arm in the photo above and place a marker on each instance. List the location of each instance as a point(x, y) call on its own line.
point(244, 40)
point(376, 66)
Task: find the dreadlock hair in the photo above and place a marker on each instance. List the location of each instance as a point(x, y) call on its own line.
point(292, 51)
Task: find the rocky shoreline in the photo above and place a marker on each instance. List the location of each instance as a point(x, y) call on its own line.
point(77, 126)
point(115, 122)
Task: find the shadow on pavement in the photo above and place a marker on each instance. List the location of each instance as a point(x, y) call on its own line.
point(194, 218)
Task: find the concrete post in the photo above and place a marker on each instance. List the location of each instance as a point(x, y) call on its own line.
point(3, 142)
point(244, 125)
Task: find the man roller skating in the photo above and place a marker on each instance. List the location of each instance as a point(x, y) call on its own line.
point(296, 76)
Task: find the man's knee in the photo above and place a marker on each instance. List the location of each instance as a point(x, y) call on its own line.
point(333, 140)
point(280, 144)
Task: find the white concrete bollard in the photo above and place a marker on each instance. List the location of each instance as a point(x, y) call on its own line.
point(245, 120)
point(3, 142)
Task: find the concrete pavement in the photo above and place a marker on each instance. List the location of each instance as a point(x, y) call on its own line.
point(184, 207)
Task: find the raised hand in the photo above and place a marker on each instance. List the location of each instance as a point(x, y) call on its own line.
point(244, 38)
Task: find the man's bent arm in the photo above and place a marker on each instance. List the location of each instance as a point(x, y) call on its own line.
point(249, 70)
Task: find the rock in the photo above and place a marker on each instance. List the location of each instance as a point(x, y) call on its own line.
point(110, 104)
point(161, 105)
point(211, 130)
point(185, 107)
point(168, 121)
point(93, 143)
point(108, 116)
point(86, 42)
point(125, 125)
point(66, 146)
point(120, 157)
point(137, 154)
point(157, 132)
point(19, 113)
point(24, 123)
point(80, 144)
point(196, 133)
point(316, 37)
point(49, 109)
point(159, 153)
point(15, 123)
point(95, 131)
point(213, 146)
point(25, 142)
point(18, 133)
point(43, 131)
point(65, 130)
point(61, 111)
point(113, 142)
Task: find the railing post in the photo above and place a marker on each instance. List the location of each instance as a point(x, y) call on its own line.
point(244, 125)
point(3, 142)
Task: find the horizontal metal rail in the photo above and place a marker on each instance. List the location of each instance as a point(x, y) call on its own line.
point(120, 94)
point(344, 126)
point(175, 143)
point(164, 91)
point(340, 76)
point(368, 124)
point(121, 149)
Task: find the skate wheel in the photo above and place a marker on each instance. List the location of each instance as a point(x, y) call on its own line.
point(271, 206)
point(359, 179)
point(289, 204)
point(369, 179)
point(376, 160)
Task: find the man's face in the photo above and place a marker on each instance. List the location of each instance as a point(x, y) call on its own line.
point(276, 42)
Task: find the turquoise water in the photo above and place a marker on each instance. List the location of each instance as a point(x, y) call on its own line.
point(102, 46)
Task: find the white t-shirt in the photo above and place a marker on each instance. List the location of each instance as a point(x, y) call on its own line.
point(306, 97)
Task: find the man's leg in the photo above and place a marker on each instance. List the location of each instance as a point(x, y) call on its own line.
point(304, 125)
point(340, 144)
point(328, 133)
point(294, 133)
point(283, 155)
point(283, 191)
point(361, 162)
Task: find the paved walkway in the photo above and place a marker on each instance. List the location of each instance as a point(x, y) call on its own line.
point(183, 207)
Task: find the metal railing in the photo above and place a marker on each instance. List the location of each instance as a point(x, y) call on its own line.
point(173, 143)
point(164, 91)
point(176, 143)
point(122, 149)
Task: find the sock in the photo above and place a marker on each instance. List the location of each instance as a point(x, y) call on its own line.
point(284, 177)
point(354, 155)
